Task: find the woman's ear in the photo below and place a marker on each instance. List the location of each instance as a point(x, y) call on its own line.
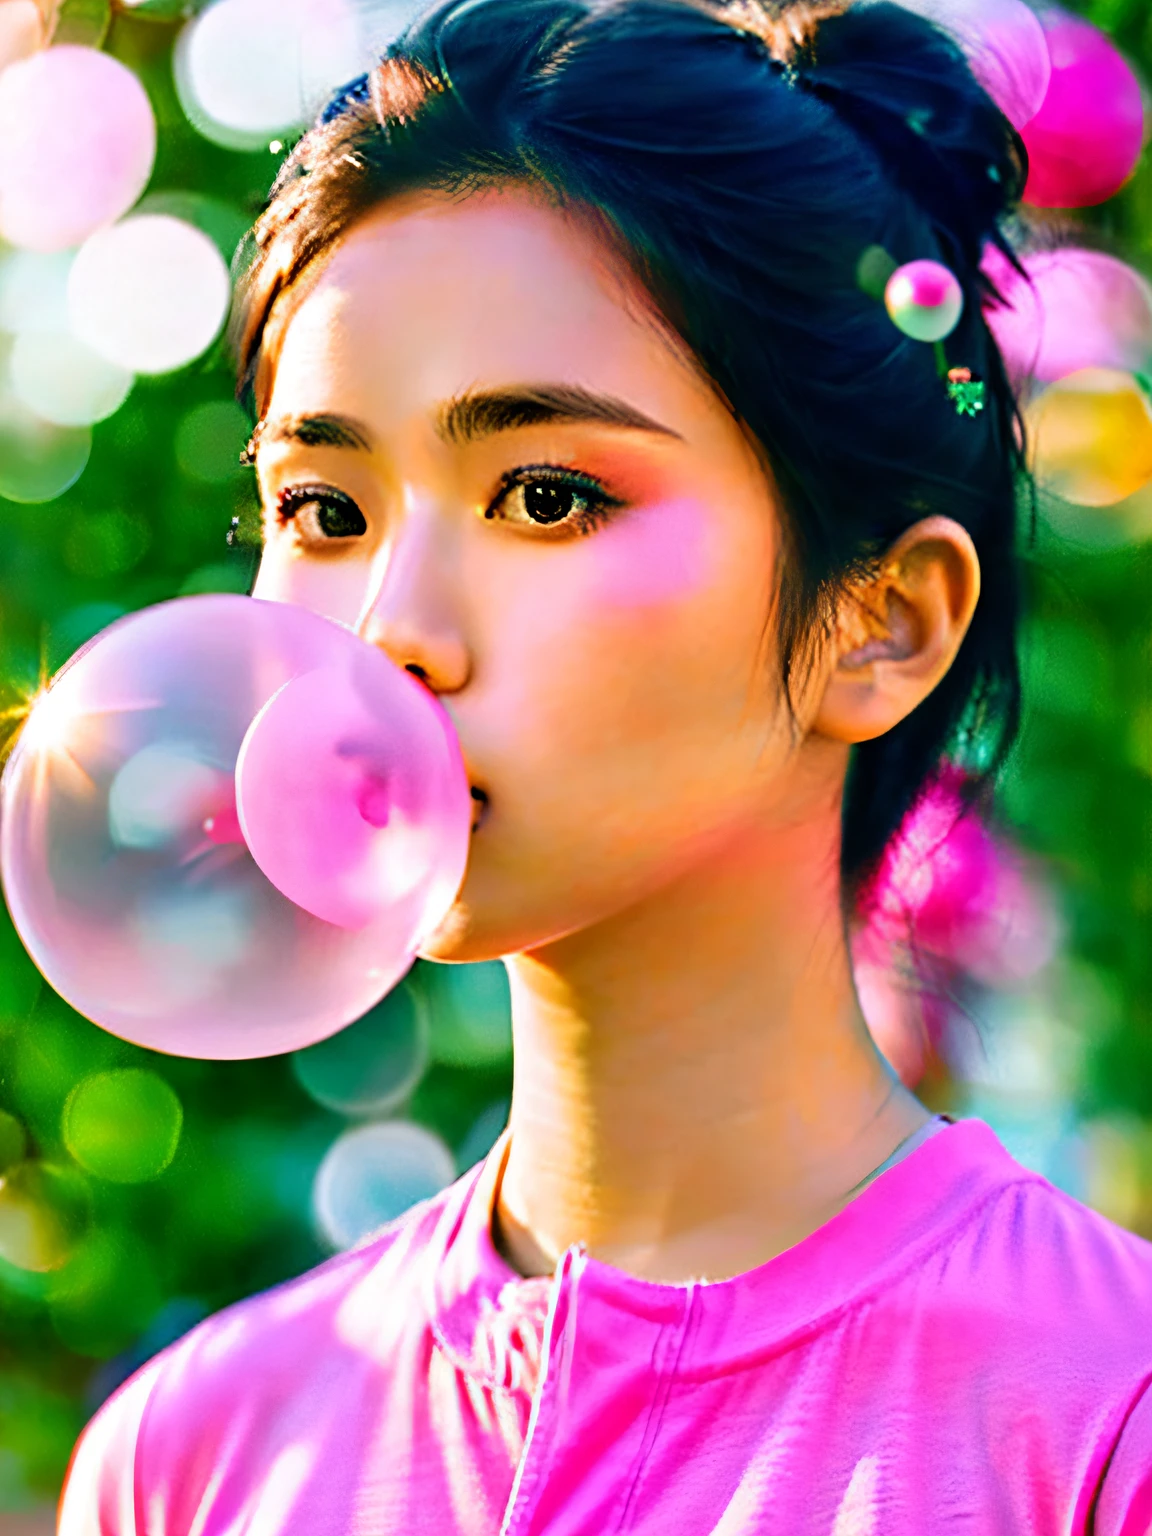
point(897, 631)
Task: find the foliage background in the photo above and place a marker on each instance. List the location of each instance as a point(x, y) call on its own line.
point(1065, 1068)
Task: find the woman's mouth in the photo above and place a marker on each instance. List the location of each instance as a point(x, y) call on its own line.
point(479, 806)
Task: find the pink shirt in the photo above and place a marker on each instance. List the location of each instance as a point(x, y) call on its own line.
point(961, 1351)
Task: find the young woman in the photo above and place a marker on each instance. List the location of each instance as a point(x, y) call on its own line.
point(576, 395)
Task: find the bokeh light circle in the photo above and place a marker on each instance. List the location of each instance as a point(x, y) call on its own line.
point(1071, 309)
point(64, 381)
point(373, 1065)
point(924, 300)
point(1084, 142)
point(1091, 437)
point(248, 69)
point(44, 1212)
point(133, 848)
point(373, 1174)
point(470, 1012)
point(79, 141)
point(38, 461)
point(150, 294)
point(1005, 45)
point(209, 441)
point(123, 1126)
point(34, 291)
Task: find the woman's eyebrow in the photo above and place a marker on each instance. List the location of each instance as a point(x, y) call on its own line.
point(321, 431)
point(469, 417)
point(483, 413)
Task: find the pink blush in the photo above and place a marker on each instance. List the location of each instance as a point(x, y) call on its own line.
point(651, 555)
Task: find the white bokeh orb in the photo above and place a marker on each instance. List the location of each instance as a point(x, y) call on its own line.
point(373, 1174)
point(149, 294)
point(63, 380)
point(38, 461)
point(34, 290)
point(79, 140)
point(249, 69)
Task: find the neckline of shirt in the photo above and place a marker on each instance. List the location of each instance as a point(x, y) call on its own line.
point(904, 1214)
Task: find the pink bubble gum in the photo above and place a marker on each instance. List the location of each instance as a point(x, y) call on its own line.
point(206, 906)
point(1076, 309)
point(346, 792)
point(1085, 141)
point(79, 141)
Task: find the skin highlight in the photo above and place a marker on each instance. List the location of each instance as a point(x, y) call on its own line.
point(589, 593)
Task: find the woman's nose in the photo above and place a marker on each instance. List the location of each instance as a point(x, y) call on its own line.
point(409, 612)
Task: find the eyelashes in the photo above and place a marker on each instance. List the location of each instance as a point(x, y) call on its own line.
point(533, 495)
point(549, 495)
point(321, 512)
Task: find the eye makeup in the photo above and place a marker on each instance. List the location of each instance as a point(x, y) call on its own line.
point(552, 496)
point(320, 513)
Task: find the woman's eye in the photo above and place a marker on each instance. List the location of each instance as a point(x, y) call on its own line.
point(545, 495)
point(320, 513)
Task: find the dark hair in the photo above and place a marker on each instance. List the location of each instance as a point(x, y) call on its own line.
point(759, 164)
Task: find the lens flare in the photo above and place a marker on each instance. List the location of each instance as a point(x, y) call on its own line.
point(149, 294)
point(79, 141)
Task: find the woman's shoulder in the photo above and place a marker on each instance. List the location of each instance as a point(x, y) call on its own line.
point(1029, 1273)
point(334, 1322)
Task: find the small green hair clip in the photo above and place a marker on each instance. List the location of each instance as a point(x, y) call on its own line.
point(965, 392)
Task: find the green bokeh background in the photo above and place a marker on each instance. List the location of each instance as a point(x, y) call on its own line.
point(206, 1196)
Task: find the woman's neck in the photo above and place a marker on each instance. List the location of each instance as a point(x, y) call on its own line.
point(695, 1088)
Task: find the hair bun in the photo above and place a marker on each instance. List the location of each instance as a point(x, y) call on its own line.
point(904, 85)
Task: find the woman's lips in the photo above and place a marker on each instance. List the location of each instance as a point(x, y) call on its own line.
point(479, 806)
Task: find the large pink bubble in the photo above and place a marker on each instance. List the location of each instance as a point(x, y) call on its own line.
point(123, 847)
point(1084, 142)
point(79, 141)
point(1075, 309)
point(1005, 45)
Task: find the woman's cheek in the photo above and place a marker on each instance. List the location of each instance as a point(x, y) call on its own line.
point(335, 589)
point(652, 556)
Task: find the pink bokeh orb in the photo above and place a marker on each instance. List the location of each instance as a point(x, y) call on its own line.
point(1005, 45)
point(124, 824)
point(79, 140)
point(924, 300)
point(1073, 309)
point(1084, 142)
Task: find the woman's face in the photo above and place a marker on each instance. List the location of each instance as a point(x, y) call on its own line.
point(482, 453)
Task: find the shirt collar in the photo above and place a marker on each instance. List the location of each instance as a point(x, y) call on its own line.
point(896, 1220)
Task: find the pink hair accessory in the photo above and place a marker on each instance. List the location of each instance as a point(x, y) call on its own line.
point(924, 300)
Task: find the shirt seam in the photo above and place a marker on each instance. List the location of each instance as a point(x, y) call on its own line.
point(656, 1413)
point(898, 1272)
point(1124, 1419)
